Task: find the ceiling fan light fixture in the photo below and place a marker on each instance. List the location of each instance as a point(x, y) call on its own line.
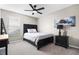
point(34, 12)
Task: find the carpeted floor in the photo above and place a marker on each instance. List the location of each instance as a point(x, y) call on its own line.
point(24, 48)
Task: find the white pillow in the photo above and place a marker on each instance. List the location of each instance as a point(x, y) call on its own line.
point(34, 30)
point(31, 30)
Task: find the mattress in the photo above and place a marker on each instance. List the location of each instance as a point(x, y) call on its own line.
point(35, 37)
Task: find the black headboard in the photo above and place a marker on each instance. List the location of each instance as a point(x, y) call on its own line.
point(29, 26)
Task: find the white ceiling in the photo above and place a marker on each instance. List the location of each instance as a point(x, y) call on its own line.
point(19, 8)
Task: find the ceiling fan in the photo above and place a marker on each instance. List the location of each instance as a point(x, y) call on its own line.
point(35, 9)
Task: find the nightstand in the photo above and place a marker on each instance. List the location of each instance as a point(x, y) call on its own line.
point(62, 41)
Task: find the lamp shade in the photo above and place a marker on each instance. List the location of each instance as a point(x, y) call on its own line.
point(59, 26)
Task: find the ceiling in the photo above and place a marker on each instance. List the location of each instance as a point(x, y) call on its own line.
point(19, 8)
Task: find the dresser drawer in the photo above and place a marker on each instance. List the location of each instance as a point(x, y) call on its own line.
point(62, 41)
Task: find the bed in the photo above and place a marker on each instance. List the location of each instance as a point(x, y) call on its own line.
point(37, 39)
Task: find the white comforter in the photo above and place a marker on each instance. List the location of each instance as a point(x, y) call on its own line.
point(35, 37)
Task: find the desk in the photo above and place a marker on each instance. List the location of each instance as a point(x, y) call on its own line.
point(4, 42)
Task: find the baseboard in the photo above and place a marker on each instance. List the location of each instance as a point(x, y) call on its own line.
point(74, 46)
point(14, 41)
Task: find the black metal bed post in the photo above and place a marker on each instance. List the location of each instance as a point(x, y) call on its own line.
point(3, 27)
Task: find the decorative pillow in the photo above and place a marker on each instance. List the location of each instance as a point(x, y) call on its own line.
point(31, 30)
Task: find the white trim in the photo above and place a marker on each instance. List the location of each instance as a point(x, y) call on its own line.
point(15, 41)
point(74, 46)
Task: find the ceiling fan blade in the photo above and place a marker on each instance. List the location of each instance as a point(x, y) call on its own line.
point(28, 10)
point(31, 6)
point(41, 8)
point(39, 12)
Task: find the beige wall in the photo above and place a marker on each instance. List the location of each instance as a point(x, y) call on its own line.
point(46, 24)
point(14, 23)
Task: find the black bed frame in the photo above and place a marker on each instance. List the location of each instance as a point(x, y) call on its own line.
point(40, 43)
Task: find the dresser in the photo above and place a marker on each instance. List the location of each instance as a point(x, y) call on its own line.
point(4, 42)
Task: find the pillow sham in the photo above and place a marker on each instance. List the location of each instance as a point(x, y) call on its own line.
point(31, 30)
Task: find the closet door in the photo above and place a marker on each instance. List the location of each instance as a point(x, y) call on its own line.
point(14, 28)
